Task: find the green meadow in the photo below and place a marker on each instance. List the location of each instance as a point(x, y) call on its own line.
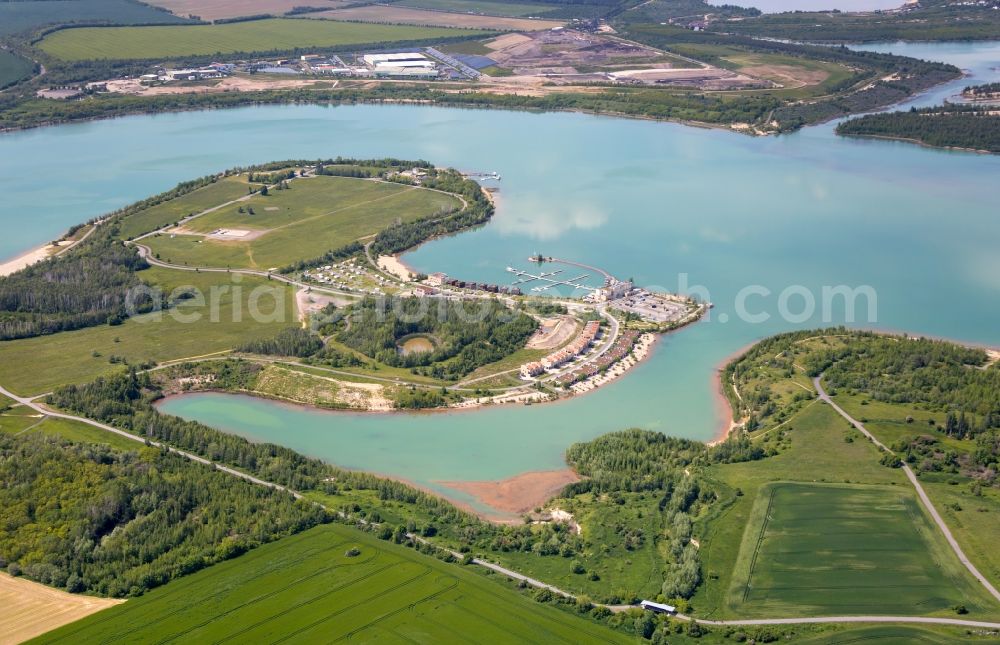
point(333, 583)
point(80, 356)
point(118, 43)
point(210, 196)
point(313, 216)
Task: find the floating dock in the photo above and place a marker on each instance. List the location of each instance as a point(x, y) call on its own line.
point(550, 279)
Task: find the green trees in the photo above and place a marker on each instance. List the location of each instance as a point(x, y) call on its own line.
point(294, 341)
point(90, 518)
point(951, 126)
point(467, 335)
point(89, 285)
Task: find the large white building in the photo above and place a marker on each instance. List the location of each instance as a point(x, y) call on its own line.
point(372, 60)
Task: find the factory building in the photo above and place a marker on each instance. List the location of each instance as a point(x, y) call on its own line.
point(371, 60)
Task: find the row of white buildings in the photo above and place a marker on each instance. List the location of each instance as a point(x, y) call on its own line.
point(558, 358)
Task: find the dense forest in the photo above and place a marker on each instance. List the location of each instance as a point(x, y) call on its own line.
point(88, 285)
point(294, 341)
point(950, 126)
point(465, 335)
point(89, 518)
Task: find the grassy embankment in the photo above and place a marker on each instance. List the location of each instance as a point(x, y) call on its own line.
point(122, 43)
point(314, 586)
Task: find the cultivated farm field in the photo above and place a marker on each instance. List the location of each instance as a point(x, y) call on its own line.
point(277, 34)
point(25, 15)
point(31, 608)
point(412, 16)
point(308, 588)
point(216, 9)
point(313, 216)
point(834, 549)
point(486, 7)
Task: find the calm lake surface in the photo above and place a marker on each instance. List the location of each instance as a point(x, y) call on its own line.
point(658, 202)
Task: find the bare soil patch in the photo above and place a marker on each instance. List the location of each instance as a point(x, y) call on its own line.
point(31, 609)
point(216, 9)
point(423, 17)
point(788, 75)
point(228, 84)
point(518, 494)
point(553, 333)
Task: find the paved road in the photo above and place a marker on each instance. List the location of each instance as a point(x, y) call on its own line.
point(925, 500)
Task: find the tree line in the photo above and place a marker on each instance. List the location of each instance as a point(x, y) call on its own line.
point(950, 126)
point(88, 285)
point(90, 518)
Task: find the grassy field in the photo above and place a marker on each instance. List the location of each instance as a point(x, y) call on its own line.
point(28, 423)
point(211, 10)
point(28, 14)
point(827, 549)
point(307, 588)
point(205, 40)
point(312, 217)
point(488, 7)
point(82, 355)
point(220, 192)
point(13, 68)
point(424, 17)
point(814, 449)
point(814, 445)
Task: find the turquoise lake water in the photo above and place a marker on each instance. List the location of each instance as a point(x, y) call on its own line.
point(652, 201)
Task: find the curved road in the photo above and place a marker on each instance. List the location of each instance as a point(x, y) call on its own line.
point(924, 499)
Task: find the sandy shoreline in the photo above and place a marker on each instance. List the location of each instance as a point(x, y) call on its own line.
point(515, 495)
point(729, 422)
point(27, 258)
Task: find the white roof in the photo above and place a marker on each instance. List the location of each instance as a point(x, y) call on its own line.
point(404, 63)
point(649, 604)
point(381, 58)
